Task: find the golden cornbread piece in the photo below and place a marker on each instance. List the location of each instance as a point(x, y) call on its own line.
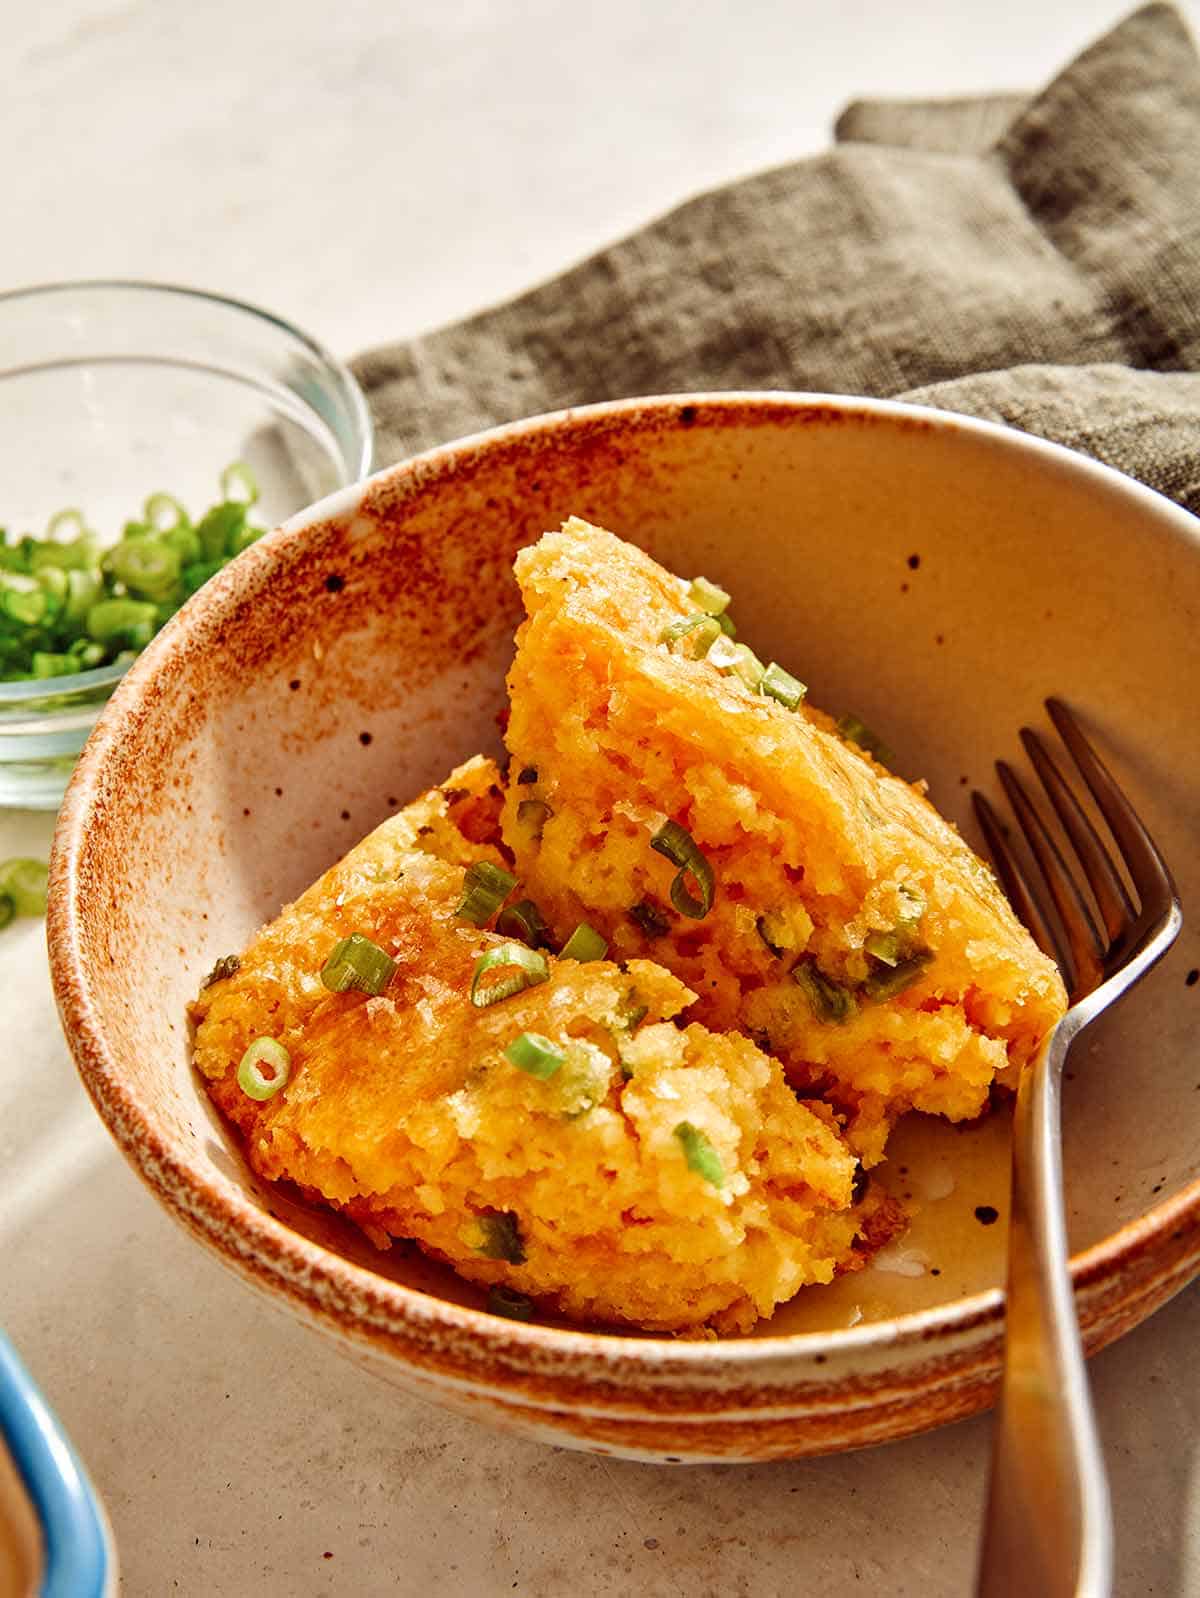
point(661, 1177)
point(818, 853)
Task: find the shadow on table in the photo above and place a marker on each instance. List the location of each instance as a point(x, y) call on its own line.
point(904, 1518)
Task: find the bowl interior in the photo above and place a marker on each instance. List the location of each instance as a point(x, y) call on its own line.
point(938, 577)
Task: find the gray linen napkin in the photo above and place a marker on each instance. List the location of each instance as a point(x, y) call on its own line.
point(1032, 261)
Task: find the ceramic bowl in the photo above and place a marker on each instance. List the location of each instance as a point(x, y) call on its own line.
point(938, 575)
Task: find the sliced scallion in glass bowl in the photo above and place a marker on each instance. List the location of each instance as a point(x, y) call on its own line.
point(124, 402)
point(74, 603)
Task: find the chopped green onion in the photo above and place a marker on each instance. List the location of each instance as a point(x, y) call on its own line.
point(513, 1306)
point(50, 665)
point(252, 1080)
point(856, 731)
point(887, 984)
point(727, 627)
point(356, 962)
point(185, 541)
point(748, 667)
point(81, 554)
point(71, 518)
point(532, 816)
point(885, 946)
point(501, 1237)
point(894, 946)
point(723, 653)
point(528, 968)
point(527, 775)
point(198, 573)
point(827, 1000)
point(22, 600)
point(485, 888)
point(239, 484)
point(781, 685)
point(217, 529)
point(83, 590)
point(676, 630)
point(24, 881)
point(649, 917)
point(585, 943)
point(52, 580)
point(146, 566)
point(227, 966)
point(679, 847)
point(88, 655)
point(126, 621)
point(63, 597)
point(164, 513)
point(706, 629)
point(525, 921)
point(708, 597)
point(246, 535)
point(700, 1155)
point(634, 1014)
point(535, 1055)
point(8, 909)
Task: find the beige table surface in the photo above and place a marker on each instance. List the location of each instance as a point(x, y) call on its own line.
point(370, 169)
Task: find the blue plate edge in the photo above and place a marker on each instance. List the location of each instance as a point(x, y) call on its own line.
point(77, 1549)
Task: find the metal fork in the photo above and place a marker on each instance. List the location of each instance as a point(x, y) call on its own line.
point(1048, 1524)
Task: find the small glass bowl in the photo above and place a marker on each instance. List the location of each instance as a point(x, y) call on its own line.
point(110, 392)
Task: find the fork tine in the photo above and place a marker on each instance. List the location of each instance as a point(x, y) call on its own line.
point(1012, 878)
point(1115, 909)
point(1146, 866)
point(1082, 938)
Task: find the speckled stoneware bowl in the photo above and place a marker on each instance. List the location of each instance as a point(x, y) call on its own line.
point(938, 575)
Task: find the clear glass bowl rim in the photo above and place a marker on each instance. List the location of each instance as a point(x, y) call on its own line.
point(351, 395)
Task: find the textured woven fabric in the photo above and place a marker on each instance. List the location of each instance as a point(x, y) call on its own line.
point(1034, 261)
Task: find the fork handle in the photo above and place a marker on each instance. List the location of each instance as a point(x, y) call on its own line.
point(1048, 1525)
